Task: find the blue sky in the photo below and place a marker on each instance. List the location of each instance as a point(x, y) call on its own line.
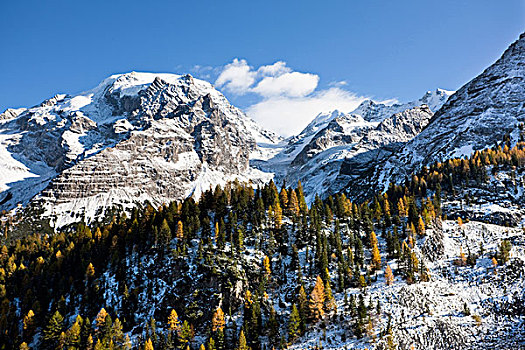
point(377, 49)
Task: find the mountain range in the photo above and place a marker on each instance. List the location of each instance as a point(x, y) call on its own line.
point(402, 222)
point(141, 137)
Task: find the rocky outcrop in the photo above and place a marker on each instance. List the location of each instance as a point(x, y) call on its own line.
point(389, 137)
point(11, 113)
point(434, 247)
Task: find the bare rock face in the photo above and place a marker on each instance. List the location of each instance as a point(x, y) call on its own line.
point(136, 137)
point(389, 137)
point(343, 130)
point(433, 248)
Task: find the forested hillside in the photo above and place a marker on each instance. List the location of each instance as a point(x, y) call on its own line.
point(257, 268)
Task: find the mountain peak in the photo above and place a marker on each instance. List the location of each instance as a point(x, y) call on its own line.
point(164, 136)
point(375, 111)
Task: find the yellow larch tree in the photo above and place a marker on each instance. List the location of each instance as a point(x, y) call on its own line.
point(389, 276)
point(266, 266)
point(283, 197)
point(376, 256)
point(316, 302)
point(173, 321)
point(217, 322)
point(293, 203)
point(180, 230)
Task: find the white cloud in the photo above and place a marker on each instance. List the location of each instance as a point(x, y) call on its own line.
point(292, 84)
point(338, 83)
point(390, 101)
point(290, 115)
point(288, 100)
point(236, 77)
point(272, 70)
point(203, 72)
point(271, 80)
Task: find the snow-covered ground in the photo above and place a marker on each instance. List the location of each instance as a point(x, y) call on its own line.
point(460, 307)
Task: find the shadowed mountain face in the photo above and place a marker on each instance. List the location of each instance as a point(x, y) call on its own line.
point(477, 116)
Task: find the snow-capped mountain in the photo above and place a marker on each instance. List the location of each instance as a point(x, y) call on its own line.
point(161, 137)
point(477, 116)
point(377, 111)
point(135, 137)
point(356, 140)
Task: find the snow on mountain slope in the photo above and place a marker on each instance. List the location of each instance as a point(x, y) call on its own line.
point(286, 152)
point(477, 116)
point(373, 111)
point(317, 154)
point(135, 137)
point(333, 169)
point(11, 113)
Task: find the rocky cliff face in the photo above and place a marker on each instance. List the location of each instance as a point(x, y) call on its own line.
point(376, 111)
point(136, 137)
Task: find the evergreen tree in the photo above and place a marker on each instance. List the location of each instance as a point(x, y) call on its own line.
point(73, 334)
point(359, 256)
point(53, 330)
point(302, 302)
point(277, 215)
point(242, 342)
point(504, 249)
point(294, 324)
point(330, 304)
point(391, 345)
point(211, 344)
point(164, 232)
point(184, 335)
point(117, 334)
point(273, 328)
point(283, 197)
point(302, 201)
point(219, 343)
